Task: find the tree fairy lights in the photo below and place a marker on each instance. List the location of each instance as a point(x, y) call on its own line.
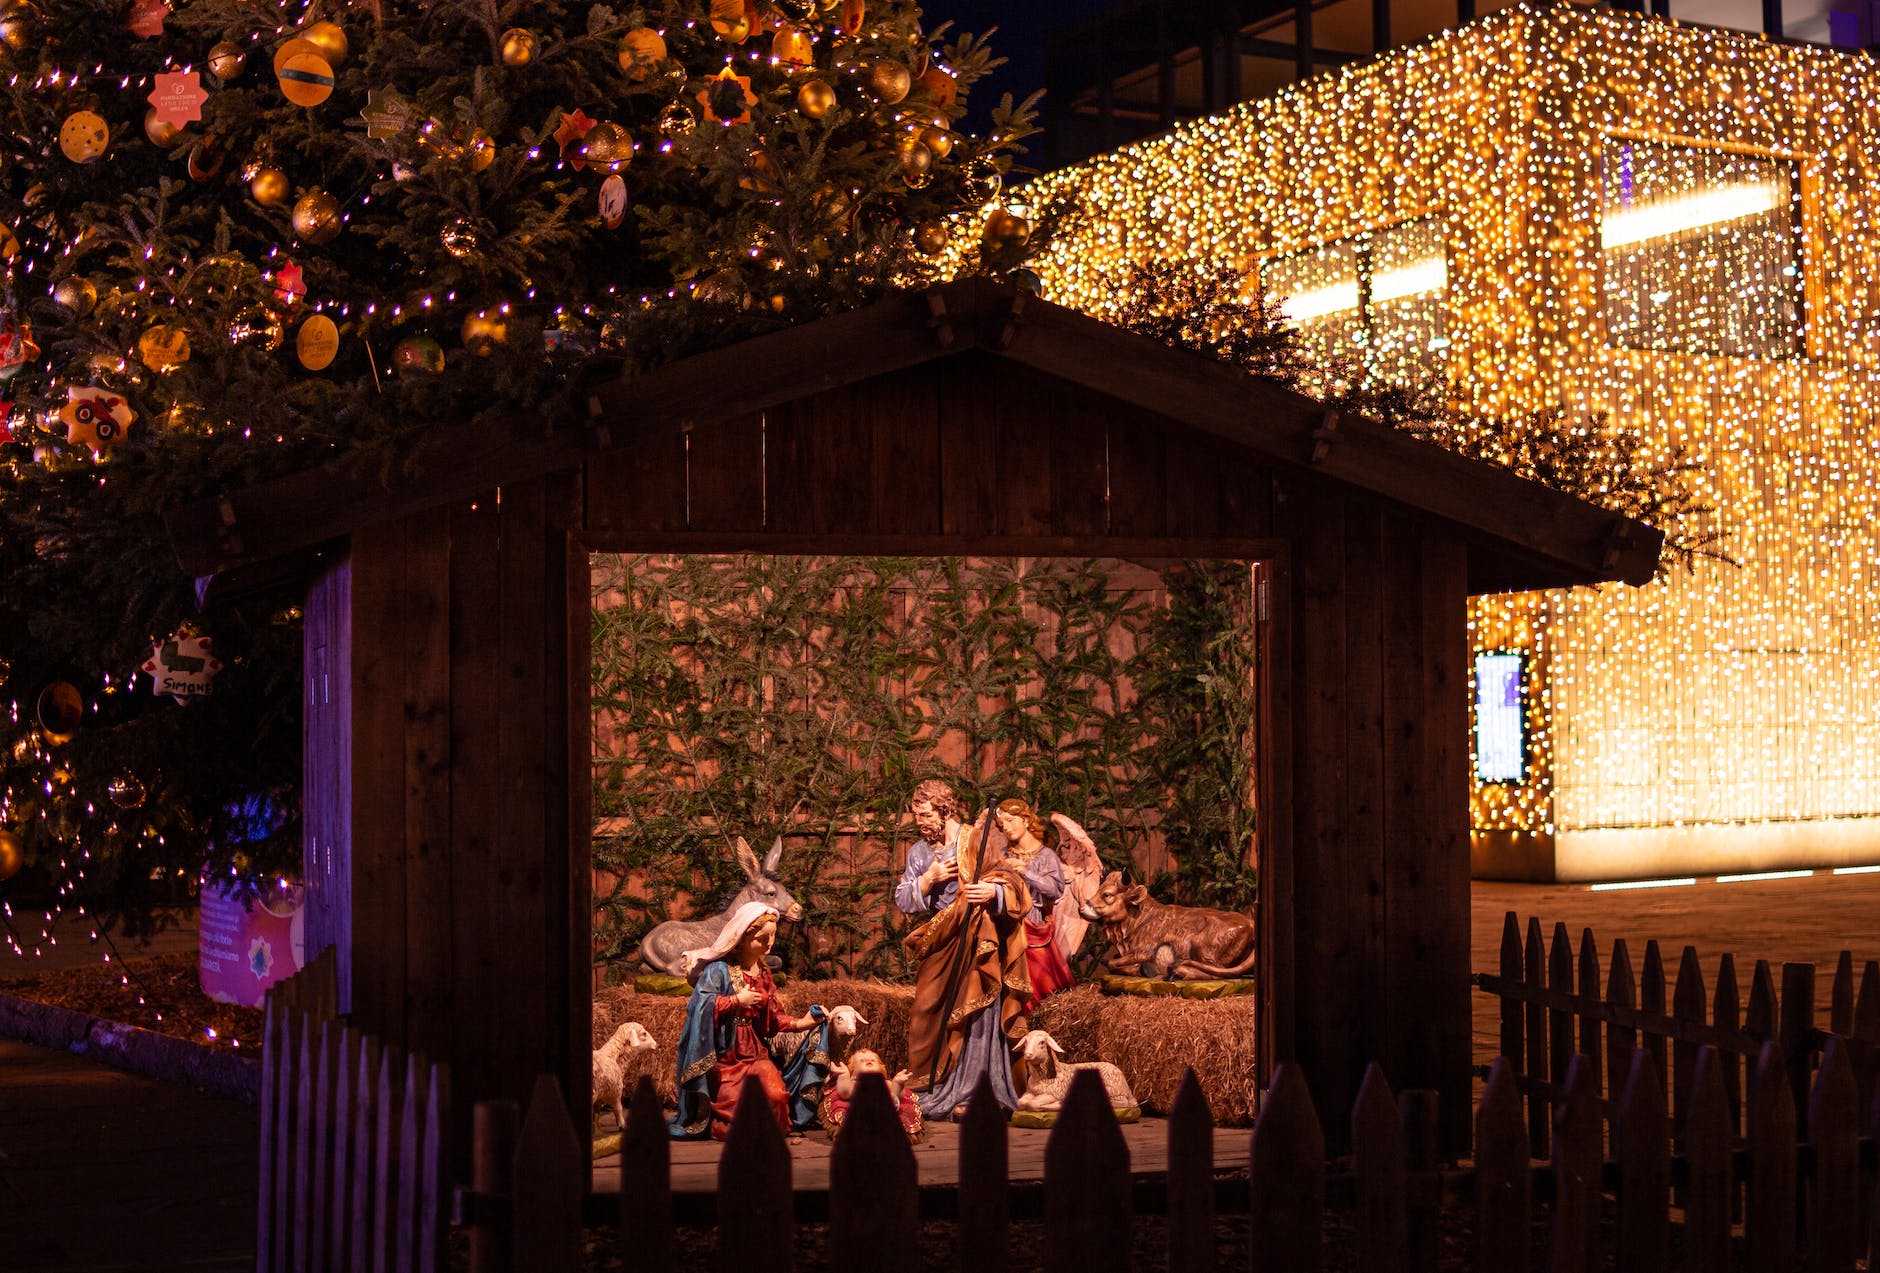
point(1664, 225)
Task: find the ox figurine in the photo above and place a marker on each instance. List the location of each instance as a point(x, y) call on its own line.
point(1181, 943)
point(663, 949)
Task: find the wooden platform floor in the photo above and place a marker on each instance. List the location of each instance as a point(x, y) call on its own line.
point(102, 1170)
point(937, 1157)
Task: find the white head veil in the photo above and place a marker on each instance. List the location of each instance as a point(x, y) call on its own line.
point(728, 936)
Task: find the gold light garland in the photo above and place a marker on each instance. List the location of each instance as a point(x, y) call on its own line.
point(1724, 699)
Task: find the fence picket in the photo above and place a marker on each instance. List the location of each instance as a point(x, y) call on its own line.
point(1726, 1015)
point(384, 1160)
point(1576, 1164)
point(494, 1128)
point(984, 1208)
point(1190, 1180)
point(1087, 1201)
point(271, 1044)
point(1559, 1020)
point(646, 1184)
point(300, 1185)
point(1621, 992)
point(1418, 1110)
point(434, 1184)
point(1769, 1213)
point(365, 1108)
point(404, 1245)
point(1841, 996)
point(1501, 1175)
point(548, 1177)
point(1687, 1004)
point(292, 1036)
point(1589, 1016)
point(1871, 1191)
point(1286, 1208)
point(1651, 998)
point(1539, 1108)
point(1795, 1028)
point(1707, 1151)
point(319, 1203)
point(1642, 1145)
point(1377, 1165)
point(874, 1198)
point(756, 1212)
point(1834, 1186)
point(1510, 1007)
point(345, 1099)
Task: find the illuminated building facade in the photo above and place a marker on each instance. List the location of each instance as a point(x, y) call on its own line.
point(1593, 212)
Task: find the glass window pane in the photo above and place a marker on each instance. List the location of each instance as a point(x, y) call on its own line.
point(1408, 277)
point(1500, 716)
point(1318, 292)
point(1700, 251)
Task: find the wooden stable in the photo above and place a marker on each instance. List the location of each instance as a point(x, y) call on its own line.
point(448, 726)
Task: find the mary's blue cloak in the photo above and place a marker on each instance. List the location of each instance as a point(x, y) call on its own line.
point(704, 1038)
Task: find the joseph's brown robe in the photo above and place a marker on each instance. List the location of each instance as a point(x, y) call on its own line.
point(996, 946)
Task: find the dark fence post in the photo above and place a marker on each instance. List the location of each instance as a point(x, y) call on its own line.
point(1707, 1150)
point(1796, 1030)
point(1286, 1209)
point(434, 1184)
point(1834, 1136)
point(1377, 1165)
point(984, 1209)
point(1725, 1015)
point(646, 1184)
point(547, 1185)
point(495, 1126)
point(1087, 1203)
point(1419, 1110)
point(1769, 1213)
point(1687, 1005)
point(874, 1196)
point(1589, 1012)
point(1190, 1180)
point(273, 1043)
point(1576, 1161)
point(756, 1208)
point(1539, 1107)
point(1501, 1175)
point(1642, 1144)
point(1651, 1000)
point(1621, 992)
point(1510, 1006)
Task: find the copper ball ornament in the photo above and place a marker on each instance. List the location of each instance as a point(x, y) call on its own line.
point(888, 81)
point(1027, 281)
point(256, 326)
point(482, 150)
point(916, 166)
point(981, 181)
point(931, 237)
point(608, 146)
point(316, 217)
point(12, 855)
point(676, 121)
point(161, 131)
point(418, 353)
point(483, 331)
point(270, 187)
point(1005, 229)
point(815, 99)
point(518, 46)
point(460, 239)
point(125, 791)
point(227, 60)
point(76, 293)
point(60, 709)
point(938, 140)
point(16, 27)
point(331, 38)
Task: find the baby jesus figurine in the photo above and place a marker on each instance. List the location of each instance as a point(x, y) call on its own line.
point(840, 1090)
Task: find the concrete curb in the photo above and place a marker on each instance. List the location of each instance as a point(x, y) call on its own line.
point(129, 1047)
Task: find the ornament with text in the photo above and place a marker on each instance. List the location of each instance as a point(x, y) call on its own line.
point(183, 667)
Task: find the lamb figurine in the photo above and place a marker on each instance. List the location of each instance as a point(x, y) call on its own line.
point(610, 1067)
point(843, 1022)
point(803, 1057)
point(1047, 1082)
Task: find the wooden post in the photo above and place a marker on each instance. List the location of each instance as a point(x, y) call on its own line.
point(360, 1204)
point(1559, 1020)
point(434, 1184)
point(1642, 1144)
point(1841, 996)
point(1866, 1058)
point(1377, 1166)
point(494, 1127)
point(1621, 992)
point(1576, 1161)
point(1087, 1204)
point(1873, 1191)
point(1687, 1005)
point(338, 1246)
point(1759, 1020)
point(549, 1177)
point(1589, 1011)
point(1190, 1180)
point(1511, 1007)
point(320, 1165)
point(1418, 1110)
point(271, 1045)
point(874, 1196)
point(1501, 1175)
point(1769, 1213)
point(1286, 1209)
point(1725, 1015)
point(293, 1031)
point(1707, 1149)
point(1796, 1030)
point(756, 1208)
point(406, 1208)
point(1651, 999)
point(385, 1162)
point(984, 1209)
point(1834, 1238)
point(646, 1184)
point(1539, 1107)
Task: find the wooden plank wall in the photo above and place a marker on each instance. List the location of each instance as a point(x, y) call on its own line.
point(464, 884)
point(327, 746)
point(1380, 896)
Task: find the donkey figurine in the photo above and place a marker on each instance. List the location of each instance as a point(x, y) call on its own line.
point(663, 949)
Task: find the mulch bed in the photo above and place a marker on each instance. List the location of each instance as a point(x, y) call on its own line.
point(167, 984)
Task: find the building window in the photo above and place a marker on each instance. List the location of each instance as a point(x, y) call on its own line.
point(1500, 716)
point(1700, 250)
point(1369, 307)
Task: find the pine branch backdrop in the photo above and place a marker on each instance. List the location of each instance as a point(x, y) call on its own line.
point(804, 697)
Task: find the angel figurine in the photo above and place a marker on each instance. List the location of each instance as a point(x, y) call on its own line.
point(1053, 928)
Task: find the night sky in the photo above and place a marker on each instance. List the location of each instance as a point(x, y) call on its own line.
point(1022, 25)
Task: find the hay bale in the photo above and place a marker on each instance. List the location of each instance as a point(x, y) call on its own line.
point(1152, 1039)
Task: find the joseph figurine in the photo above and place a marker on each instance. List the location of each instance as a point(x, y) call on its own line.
point(972, 983)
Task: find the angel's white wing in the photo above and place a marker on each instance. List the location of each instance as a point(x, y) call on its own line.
point(1083, 875)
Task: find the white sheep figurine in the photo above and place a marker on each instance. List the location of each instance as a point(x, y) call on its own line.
point(844, 1021)
point(1047, 1082)
point(610, 1063)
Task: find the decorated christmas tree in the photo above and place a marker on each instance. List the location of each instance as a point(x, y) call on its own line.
point(245, 237)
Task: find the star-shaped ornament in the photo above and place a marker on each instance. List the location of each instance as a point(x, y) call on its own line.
point(183, 667)
point(145, 18)
point(290, 284)
point(727, 98)
point(573, 127)
point(96, 418)
point(387, 113)
point(179, 97)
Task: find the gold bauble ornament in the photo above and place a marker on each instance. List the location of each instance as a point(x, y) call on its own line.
point(316, 217)
point(163, 348)
point(888, 81)
point(940, 85)
point(916, 165)
point(460, 238)
point(331, 37)
point(518, 46)
point(723, 287)
point(640, 52)
point(792, 44)
point(484, 330)
point(83, 136)
point(938, 140)
point(980, 181)
point(16, 27)
point(12, 855)
point(815, 99)
point(75, 293)
point(227, 60)
point(270, 187)
point(1005, 229)
point(161, 131)
point(931, 237)
point(61, 709)
point(482, 150)
point(418, 353)
point(731, 19)
point(607, 146)
point(676, 121)
point(256, 326)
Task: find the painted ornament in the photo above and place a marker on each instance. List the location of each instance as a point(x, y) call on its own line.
point(484, 330)
point(163, 348)
point(177, 98)
point(205, 158)
point(290, 284)
point(727, 98)
point(613, 201)
point(184, 667)
point(145, 19)
point(83, 136)
point(853, 12)
point(95, 418)
point(60, 710)
point(733, 19)
point(640, 51)
point(17, 347)
point(940, 85)
point(572, 129)
point(792, 45)
point(418, 353)
point(316, 344)
point(306, 76)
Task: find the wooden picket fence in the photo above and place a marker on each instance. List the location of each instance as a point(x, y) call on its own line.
point(1555, 1006)
point(354, 1169)
point(314, 989)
